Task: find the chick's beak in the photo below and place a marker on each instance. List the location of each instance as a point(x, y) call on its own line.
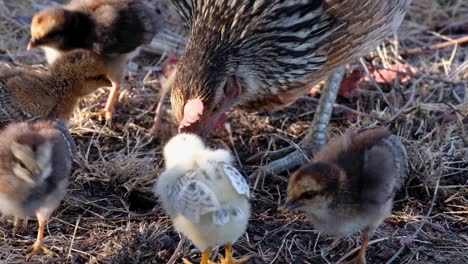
point(291, 205)
point(32, 44)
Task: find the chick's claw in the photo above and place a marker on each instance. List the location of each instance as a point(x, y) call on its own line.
point(186, 261)
point(231, 260)
point(37, 249)
point(103, 113)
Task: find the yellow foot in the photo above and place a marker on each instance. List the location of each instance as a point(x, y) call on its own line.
point(186, 261)
point(37, 249)
point(231, 260)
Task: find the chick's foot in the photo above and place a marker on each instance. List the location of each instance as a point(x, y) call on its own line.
point(37, 249)
point(232, 260)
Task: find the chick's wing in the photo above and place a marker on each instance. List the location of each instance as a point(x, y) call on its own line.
point(193, 198)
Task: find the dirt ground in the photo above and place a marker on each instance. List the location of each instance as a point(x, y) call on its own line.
point(110, 215)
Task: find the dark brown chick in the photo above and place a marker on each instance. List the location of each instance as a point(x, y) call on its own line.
point(35, 163)
point(264, 55)
point(26, 93)
point(110, 28)
point(350, 185)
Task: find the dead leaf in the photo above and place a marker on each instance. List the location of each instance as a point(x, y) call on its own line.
point(388, 75)
point(349, 84)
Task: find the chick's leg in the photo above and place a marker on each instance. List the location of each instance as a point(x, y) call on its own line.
point(38, 246)
point(315, 137)
point(361, 257)
point(228, 259)
point(109, 109)
point(16, 223)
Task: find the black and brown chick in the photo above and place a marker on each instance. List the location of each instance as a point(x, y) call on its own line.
point(264, 55)
point(35, 164)
point(26, 93)
point(350, 184)
point(111, 28)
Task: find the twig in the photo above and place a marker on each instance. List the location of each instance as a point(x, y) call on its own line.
point(57, 260)
point(423, 222)
point(73, 236)
point(165, 88)
point(417, 75)
point(228, 128)
point(407, 104)
point(179, 247)
point(358, 248)
point(435, 46)
point(375, 84)
point(349, 109)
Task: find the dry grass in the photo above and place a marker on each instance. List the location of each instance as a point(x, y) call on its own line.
point(110, 215)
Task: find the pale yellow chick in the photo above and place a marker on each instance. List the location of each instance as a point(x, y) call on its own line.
point(205, 196)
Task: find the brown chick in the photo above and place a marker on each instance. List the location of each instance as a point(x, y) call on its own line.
point(35, 163)
point(110, 28)
point(350, 185)
point(26, 93)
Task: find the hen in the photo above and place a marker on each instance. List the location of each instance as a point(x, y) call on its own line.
point(264, 55)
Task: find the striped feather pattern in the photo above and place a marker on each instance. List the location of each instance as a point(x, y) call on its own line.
point(276, 49)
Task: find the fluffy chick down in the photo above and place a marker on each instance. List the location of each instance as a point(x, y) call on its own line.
point(203, 193)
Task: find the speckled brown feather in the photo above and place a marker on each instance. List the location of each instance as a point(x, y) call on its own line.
point(26, 93)
point(359, 27)
point(276, 50)
point(27, 198)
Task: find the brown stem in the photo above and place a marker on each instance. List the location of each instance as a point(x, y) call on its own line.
point(435, 46)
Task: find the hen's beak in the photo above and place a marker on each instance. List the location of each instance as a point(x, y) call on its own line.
point(291, 205)
point(32, 44)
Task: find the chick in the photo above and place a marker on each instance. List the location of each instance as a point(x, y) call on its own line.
point(350, 185)
point(205, 196)
point(26, 93)
point(35, 163)
point(111, 28)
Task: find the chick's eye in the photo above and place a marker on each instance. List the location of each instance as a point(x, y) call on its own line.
point(309, 195)
point(22, 165)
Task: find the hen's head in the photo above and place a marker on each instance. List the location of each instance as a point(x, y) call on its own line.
point(201, 97)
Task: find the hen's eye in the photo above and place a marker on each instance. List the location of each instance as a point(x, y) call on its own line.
point(226, 88)
point(99, 78)
point(309, 195)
